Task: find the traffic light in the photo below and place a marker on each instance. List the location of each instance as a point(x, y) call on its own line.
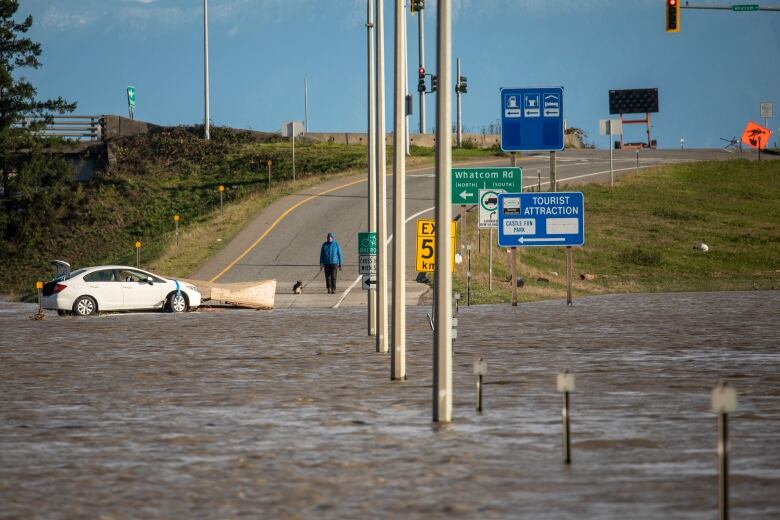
point(672, 15)
point(434, 83)
point(421, 80)
point(463, 86)
point(417, 5)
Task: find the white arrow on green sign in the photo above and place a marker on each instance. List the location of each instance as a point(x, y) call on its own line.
point(466, 182)
point(131, 96)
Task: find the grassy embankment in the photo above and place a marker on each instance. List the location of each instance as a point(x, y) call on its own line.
point(167, 173)
point(640, 237)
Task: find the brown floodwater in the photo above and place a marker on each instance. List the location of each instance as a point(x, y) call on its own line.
point(291, 413)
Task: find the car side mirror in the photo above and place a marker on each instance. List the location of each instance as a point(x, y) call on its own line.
point(150, 281)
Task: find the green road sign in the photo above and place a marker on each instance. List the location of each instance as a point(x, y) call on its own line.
point(466, 182)
point(131, 96)
point(745, 7)
point(366, 243)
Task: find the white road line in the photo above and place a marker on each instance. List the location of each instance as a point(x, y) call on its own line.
point(390, 239)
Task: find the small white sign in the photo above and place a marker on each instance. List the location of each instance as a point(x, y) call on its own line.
point(367, 264)
point(520, 226)
point(488, 208)
point(767, 109)
point(563, 226)
point(531, 105)
point(369, 282)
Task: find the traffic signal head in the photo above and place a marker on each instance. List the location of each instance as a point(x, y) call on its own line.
point(421, 72)
point(434, 83)
point(421, 84)
point(463, 86)
point(417, 5)
point(672, 15)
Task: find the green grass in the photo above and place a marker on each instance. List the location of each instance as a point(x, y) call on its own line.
point(157, 176)
point(641, 235)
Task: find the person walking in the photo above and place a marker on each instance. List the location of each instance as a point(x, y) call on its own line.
point(330, 260)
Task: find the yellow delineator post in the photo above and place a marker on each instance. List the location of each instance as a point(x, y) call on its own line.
point(39, 286)
point(270, 163)
point(176, 222)
point(221, 207)
point(138, 254)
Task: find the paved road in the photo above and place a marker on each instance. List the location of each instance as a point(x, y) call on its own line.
point(293, 229)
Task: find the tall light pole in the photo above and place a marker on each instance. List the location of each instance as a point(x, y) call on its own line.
point(305, 106)
point(421, 42)
point(206, 133)
point(371, 152)
point(398, 351)
point(442, 336)
point(381, 171)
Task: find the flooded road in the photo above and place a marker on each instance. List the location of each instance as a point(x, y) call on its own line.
point(291, 413)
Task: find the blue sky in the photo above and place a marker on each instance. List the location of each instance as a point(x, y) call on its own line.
point(711, 76)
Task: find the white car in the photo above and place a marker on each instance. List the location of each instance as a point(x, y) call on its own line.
point(116, 288)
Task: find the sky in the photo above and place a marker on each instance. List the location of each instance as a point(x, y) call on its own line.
point(711, 76)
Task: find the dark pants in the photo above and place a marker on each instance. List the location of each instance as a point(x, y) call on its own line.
point(330, 276)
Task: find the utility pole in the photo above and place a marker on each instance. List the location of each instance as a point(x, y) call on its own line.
point(457, 92)
point(207, 133)
point(398, 351)
point(405, 40)
point(421, 44)
point(371, 153)
point(381, 171)
point(442, 335)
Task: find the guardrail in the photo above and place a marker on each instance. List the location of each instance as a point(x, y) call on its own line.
point(71, 127)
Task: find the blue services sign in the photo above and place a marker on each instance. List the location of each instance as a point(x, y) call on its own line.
point(541, 219)
point(532, 119)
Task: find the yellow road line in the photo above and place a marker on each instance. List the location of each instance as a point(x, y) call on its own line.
point(295, 206)
point(276, 223)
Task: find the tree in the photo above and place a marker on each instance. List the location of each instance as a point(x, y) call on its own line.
point(19, 144)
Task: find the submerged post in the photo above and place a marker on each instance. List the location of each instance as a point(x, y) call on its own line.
point(565, 384)
point(480, 370)
point(723, 401)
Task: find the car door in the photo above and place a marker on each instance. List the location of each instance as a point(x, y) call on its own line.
point(138, 293)
point(104, 286)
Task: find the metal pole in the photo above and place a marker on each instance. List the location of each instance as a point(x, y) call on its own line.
point(305, 106)
point(566, 429)
point(569, 275)
point(723, 459)
point(490, 261)
point(462, 224)
point(138, 257)
point(513, 256)
point(611, 146)
point(207, 133)
point(398, 351)
point(381, 168)
point(468, 278)
point(553, 179)
point(479, 234)
point(421, 41)
point(538, 180)
point(405, 42)
point(371, 151)
point(479, 393)
point(442, 337)
point(637, 161)
point(269, 174)
point(177, 233)
point(221, 205)
point(457, 93)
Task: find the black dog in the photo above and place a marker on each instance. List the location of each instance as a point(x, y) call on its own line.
point(298, 287)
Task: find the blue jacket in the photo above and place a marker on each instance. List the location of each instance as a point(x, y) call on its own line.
point(330, 253)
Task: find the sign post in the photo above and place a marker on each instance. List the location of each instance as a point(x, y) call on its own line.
point(221, 200)
point(176, 222)
point(270, 163)
point(138, 254)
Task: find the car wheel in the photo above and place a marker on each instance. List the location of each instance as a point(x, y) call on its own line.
point(85, 306)
point(177, 302)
